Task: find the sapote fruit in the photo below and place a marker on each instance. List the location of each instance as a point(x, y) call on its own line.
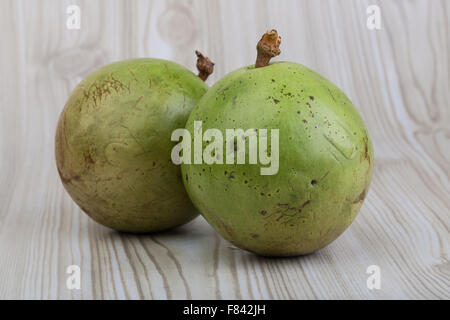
point(113, 143)
point(325, 158)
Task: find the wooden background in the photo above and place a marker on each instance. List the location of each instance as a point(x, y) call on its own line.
point(398, 77)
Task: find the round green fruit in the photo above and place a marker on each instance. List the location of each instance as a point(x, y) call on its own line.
point(325, 158)
point(113, 147)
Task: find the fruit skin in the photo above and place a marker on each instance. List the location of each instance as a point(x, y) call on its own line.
point(325, 155)
point(113, 144)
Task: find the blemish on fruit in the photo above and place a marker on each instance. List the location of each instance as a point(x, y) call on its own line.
point(304, 205)
point(361, 197)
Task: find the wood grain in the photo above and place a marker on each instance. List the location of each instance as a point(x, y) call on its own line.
point(398, 77)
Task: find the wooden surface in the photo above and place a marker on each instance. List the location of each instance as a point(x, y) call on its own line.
point(398, 78)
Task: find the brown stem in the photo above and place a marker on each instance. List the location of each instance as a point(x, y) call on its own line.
point(204, 65)
point(268, 47)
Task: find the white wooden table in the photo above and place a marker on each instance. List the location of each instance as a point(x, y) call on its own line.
point(398, 77)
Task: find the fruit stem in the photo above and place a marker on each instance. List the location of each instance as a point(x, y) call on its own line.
point(267, 48)
point(204, 65)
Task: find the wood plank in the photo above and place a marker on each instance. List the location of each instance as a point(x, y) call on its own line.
point(398, 77)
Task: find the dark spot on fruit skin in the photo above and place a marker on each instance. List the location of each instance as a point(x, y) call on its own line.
point(227, 228)
point(312, 98)
point(273, 80)
point(68, 180)
point(222, 92)
point(304, 121)
point(286, 212)
point(276, 100)
point(288, 207)
point(366, 149)
point(262, 193)
point(86, 211)
point(76, 178)
point(305, 204)
point(263, 212)
point(245, 181)
point(88, 158)
point(313, 182)
point(298, 112)
point(361, 197)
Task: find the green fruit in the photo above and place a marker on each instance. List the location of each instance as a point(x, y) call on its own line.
point(113, 144)
point(325, 161)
